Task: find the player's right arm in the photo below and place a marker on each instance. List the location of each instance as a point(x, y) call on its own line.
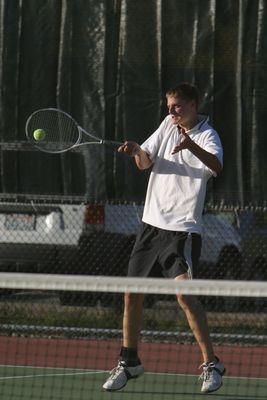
point(133, 149)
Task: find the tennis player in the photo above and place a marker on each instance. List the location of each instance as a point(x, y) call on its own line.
point(184, 152)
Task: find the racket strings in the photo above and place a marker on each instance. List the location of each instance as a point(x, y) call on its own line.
point(61, 131)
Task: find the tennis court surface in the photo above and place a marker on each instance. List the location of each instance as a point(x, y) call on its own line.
point(49, 383)
point(51, 351)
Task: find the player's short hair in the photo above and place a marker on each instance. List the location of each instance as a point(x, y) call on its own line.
point(185, 91)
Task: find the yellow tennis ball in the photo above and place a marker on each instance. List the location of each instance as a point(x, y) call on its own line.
point(39, 134)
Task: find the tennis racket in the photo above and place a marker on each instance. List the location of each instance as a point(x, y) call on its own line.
point(54, 131)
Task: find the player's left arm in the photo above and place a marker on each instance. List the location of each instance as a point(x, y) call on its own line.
point(209, 159)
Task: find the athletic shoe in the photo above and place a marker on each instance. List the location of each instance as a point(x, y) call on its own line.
point(212, 376)
point(120, 375)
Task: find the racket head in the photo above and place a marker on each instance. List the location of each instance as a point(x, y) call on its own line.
point(61, 131)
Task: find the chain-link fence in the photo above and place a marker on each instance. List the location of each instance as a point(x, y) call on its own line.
point(75, 236)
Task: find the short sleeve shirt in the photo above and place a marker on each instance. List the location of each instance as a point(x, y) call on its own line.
point(177, 184)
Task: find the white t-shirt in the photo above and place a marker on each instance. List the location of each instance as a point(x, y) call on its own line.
point(177, 184)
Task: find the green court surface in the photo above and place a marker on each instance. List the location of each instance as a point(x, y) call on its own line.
point(69, 384)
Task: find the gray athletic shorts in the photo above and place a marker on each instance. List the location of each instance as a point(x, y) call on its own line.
point(160, 253)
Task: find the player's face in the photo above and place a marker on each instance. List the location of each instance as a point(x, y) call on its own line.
point(181, 111)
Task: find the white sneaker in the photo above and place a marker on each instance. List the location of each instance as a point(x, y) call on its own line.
point(120, 375)
point(212, 376)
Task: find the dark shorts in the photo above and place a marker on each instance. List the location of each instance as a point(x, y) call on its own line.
point(160, 253)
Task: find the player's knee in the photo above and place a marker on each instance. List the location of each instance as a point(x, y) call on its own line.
point(181, 300)
point(187, 302)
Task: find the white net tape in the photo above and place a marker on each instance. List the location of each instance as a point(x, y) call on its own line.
point(133, 285)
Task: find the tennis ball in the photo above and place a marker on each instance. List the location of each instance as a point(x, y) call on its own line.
point(39, 134)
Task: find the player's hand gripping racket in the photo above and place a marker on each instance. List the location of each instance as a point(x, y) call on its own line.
point(54, 131)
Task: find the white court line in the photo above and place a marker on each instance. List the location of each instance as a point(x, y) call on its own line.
point(82, 372)
point(196, 376)
point(92, 372)
point(55, 368)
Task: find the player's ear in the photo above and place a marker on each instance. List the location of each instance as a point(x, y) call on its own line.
point(193, 104)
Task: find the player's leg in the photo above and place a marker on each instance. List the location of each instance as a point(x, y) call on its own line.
point(175, 266)
point(132, 319)
point(142, 259)
point(197, 321)
point(129, 365)
point(213, 369)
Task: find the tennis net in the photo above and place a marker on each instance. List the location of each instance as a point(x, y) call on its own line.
point(50, 350)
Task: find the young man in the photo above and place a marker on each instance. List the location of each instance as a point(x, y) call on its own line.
point(185, 152)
